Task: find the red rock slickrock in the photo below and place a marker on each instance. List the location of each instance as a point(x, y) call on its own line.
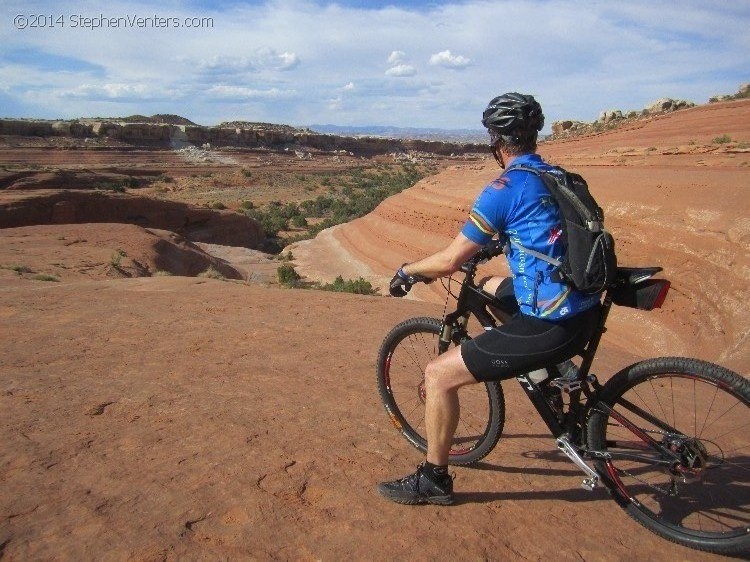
point(173, 418)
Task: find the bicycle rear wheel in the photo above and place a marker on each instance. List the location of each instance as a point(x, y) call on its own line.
point(403, 357)
point(682, 469)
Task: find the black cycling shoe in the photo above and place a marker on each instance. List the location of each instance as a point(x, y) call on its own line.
point(418, 488)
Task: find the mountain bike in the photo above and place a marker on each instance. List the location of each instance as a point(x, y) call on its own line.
point(668, 437)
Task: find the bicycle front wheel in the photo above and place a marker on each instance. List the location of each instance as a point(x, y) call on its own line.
point(404, 354)
point(676, 448)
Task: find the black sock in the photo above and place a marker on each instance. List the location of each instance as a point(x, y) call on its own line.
point(435, 472)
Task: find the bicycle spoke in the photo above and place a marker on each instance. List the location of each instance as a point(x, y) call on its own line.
point(702, 432)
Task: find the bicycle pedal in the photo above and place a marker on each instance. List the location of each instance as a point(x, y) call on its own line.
point(566, 385)
point(589, 483)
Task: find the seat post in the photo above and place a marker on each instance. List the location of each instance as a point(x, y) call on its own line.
point(588, 354)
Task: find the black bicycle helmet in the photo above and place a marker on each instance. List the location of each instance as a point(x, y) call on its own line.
point(514, 114)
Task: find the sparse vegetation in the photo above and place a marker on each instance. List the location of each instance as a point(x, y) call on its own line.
point(723, 139)
point(357, 286)
point(45, 277)
point(287, 276)
point(20, 269)
point(116, 258)
point(353, 196)
point(161, 273)
point(212, 273)
point(217, 205)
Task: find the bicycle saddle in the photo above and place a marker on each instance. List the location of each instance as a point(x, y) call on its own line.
point(635, 275)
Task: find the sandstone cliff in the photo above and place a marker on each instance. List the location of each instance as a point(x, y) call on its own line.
point(246, 135)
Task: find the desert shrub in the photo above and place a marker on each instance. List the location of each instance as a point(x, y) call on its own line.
point(247, 173)
point(723, 139)
point(45, 277)
point(357, 286)
point(129, 182)
point(287, 276)
point(20, 269)
point(218, 206)
point(212, 273)
point(117, 256)
point(298, 221)
point(247, 205)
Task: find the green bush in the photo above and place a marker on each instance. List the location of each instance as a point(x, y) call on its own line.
point(298, 221)
point(723, 139)
point(287, 276)
point(357, 286)
point(129, 182)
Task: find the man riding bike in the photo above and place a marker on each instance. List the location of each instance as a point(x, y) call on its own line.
point(546, 320)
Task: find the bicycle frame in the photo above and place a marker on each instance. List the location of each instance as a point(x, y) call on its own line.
point(570, 434)
point(472, 300)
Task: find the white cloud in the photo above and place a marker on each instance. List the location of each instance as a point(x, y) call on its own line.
point(242, 62)
point(446, 59)
point(262, 59)
point(401, 70)
point(399, 66)
point(240, 93)
point(396, 57)
point(112, 92)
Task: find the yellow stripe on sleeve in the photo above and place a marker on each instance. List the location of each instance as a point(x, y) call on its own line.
point(482, 224)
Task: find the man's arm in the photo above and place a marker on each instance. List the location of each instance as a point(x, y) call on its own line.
point(445, 261)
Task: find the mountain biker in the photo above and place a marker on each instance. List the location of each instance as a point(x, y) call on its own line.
point(546, 321)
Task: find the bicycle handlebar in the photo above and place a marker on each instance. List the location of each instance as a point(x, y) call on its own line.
point(492, 249)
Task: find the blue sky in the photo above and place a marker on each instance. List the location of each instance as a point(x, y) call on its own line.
point(359, 62)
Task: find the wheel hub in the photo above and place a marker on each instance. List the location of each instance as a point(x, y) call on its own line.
point(693, 460)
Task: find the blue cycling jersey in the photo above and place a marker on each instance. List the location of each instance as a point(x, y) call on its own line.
point(518, 206)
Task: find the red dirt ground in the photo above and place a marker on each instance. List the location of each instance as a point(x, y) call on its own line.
point(171, 418)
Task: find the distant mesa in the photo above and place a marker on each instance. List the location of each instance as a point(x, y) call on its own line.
point(173, 131)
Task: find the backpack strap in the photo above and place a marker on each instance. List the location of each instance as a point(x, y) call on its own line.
point(540, 255)
point(544, 257)
point(592, 222)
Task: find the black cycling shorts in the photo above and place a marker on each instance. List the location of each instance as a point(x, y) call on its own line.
point(526, 343)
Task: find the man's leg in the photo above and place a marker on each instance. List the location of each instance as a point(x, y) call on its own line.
point(431, 483)
point(505, 297)
point(443, 377)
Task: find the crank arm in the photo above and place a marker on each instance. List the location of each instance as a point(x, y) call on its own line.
point(563, 443)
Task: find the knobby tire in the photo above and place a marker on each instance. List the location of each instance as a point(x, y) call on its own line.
point(702, 411)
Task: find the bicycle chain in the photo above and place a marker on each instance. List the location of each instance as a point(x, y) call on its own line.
point(634, 477)
point(648, 484)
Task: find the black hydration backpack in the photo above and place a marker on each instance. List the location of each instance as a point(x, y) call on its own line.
point(589, 263)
